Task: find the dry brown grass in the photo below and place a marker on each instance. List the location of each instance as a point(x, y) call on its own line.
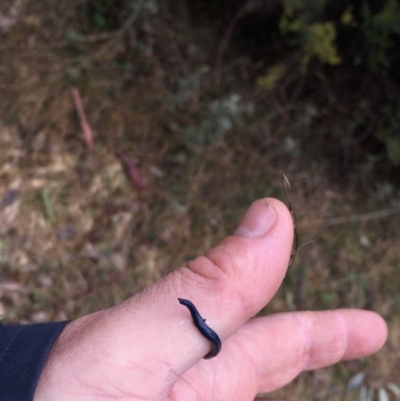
point(76, 236)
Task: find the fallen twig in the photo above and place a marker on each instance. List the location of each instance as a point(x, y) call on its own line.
point(87, 131)
point(131, 170)
point(379, 214)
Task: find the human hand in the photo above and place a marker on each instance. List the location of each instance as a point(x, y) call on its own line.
point(147, 348)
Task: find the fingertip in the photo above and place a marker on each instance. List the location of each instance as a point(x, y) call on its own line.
point(258, 220)
point(366, 330)
point(262, 216)
point(282, 212)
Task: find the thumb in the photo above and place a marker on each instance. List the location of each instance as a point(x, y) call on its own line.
point(151, 334)
point(237, 278)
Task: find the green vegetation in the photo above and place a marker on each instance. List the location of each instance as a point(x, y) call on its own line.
point(356, 46)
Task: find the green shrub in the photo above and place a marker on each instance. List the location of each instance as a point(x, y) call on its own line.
point(219, 117)
point(360, 35)
point(316, 26)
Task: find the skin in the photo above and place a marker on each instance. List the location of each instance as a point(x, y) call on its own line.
point(147, 348)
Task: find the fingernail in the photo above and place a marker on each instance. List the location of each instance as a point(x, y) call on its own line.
point(257, 221)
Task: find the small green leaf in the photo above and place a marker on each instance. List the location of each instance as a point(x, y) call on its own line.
point(48, 209)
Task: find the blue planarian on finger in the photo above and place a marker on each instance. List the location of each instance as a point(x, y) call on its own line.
point(206, 331)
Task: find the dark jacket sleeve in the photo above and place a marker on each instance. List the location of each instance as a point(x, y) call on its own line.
point(23, 351)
